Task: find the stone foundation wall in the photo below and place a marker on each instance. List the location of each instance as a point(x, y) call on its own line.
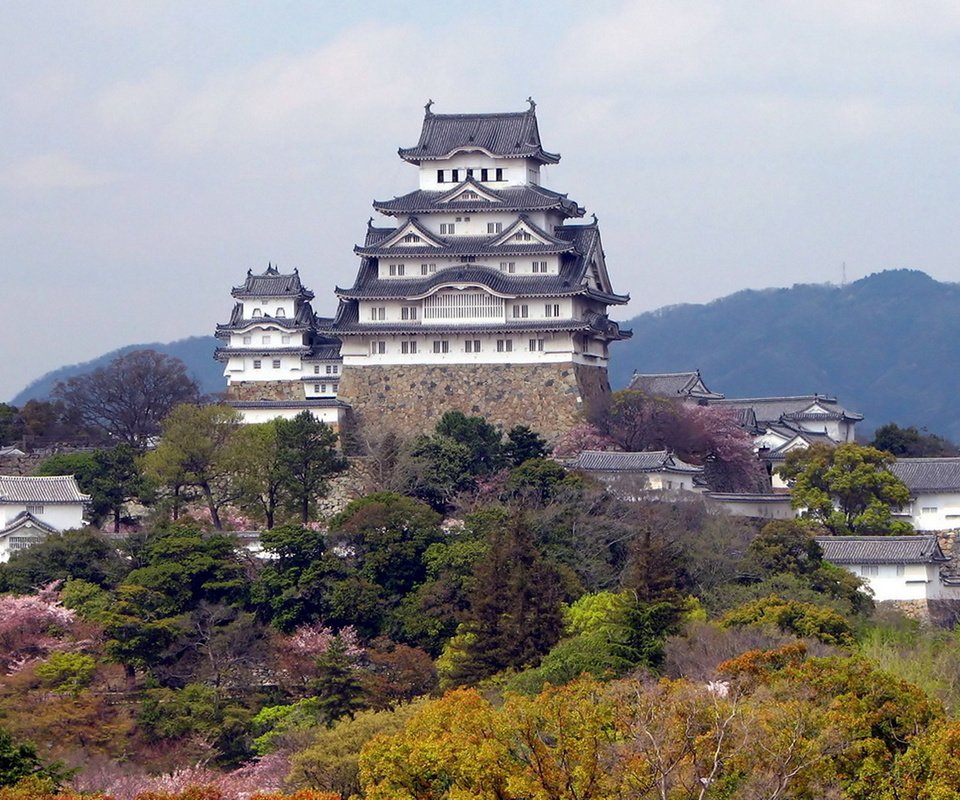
point(247, 391)
point(550, 398)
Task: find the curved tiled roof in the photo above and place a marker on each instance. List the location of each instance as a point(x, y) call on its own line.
point(303, 320)
point(672, 384)
point(796, 408)
point(919, 549)
point(26, 520)
point(272, 284)
point(506, 135)
point(29, 489)
point(510, 198)
point(928, 474)
point(645, 461)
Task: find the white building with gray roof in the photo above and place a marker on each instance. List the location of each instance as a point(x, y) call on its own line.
point(630, 475)
point(895, 568)
point(934, 485)
point(33, 507)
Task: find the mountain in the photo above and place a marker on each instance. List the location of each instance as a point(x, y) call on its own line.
point(886, 345)
point(196, 352)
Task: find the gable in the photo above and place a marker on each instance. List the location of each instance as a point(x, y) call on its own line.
point(469, 192)
point(411, 234)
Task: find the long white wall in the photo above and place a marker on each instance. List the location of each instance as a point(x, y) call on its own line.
point(62, 516)
point(516, 171)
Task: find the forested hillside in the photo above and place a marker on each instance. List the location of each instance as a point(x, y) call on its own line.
point(883, 344)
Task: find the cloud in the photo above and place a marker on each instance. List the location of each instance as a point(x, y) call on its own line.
point(56, 171)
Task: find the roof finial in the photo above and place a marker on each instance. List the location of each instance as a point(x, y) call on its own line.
point(533, 105)
point(595, 220)
point(426, 108)
point(370, 222)
point(249, 272)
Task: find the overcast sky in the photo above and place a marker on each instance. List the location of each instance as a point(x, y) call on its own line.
point(152, 152)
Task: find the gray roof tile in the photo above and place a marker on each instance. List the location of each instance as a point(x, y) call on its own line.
point(510, 198)
point(672, 384)
point(647, 461)
point(930, 474)
point(272, 284)
point(773, 409)
point(28, 489)
point(919, 549)
point(507, 135)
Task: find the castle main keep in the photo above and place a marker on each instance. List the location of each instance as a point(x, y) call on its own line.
point(480, 294)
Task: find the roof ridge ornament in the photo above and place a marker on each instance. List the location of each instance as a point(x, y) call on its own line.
point(533, 105)
point(426, 108)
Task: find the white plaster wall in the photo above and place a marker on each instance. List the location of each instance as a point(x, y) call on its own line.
point(917, 582)
point(254, 416)
point(62, 516)
point(933, 511)
point(240, 368)
point(268, 306)
point(276, 334)
point(515, 170)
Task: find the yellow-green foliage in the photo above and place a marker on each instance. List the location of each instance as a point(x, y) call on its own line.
point(792, 616)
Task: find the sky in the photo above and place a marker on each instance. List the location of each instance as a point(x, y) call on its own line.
point(152, 152)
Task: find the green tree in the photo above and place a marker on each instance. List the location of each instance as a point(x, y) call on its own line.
point(254, 458)
point(911, 442)
point(194, 451)
point(515, 615)
point(290, 589)
point(523, 444)
point(308, 457)
point(848, 488)
point(11, 427)
point(83, 554)
point(19, 760)
point(111, 478)
point(483, 440)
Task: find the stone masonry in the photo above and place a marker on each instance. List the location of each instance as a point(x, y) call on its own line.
point(549, 398)
point(250, 391)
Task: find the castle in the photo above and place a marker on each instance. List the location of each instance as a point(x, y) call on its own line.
point(480, 296)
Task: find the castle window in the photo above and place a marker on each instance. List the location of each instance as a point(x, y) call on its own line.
point(484, 173)
point(441, 346)
point(439, 176)
point(508, 266)
point(34, 508)
point(329, 369)
point(504, 345)
point(494, 227)
point(536, 345)
point(523, 236)
point(455, 175)
point(316, 388)
point(248, 340)
point(276, 363)
point(396, 270)
point(316, 369)
point(551, 310)
point(408, 347)
point(257, 313)
point(447, 228)
point(870, 570)
point(521, 310)
point(471, 346)
point(336, 369)
point(284, 340)
point(378, 313)
point(408, 312)
point(264, 340)
point(499, 174)
point(378, 348)
point(539, 266)
point(280, 312)
point(468, 196)
point(256, 363)
point(412, 237)
point(459, 305)
point(469, 172)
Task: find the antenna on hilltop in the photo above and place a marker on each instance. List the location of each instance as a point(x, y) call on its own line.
point(843, 275)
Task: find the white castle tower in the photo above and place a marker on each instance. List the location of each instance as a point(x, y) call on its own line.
point(481, 296)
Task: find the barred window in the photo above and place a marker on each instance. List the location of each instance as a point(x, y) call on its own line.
point(463, 305)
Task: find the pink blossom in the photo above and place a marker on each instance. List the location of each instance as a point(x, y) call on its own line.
point(584, 436)
point(31, 626)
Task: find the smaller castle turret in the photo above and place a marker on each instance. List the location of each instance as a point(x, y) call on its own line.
point(276, 361)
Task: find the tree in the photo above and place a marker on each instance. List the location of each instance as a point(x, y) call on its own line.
point(11, 427)
point(523, 444)
point(19, 760)
point(910, 442)
point(110, 477)
point(514, 616)
point(848, 488)
point(193, 451)
point(482, 440)
point(254, 459)
point(129, 398)
point(84, 554)
point(307, 458)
